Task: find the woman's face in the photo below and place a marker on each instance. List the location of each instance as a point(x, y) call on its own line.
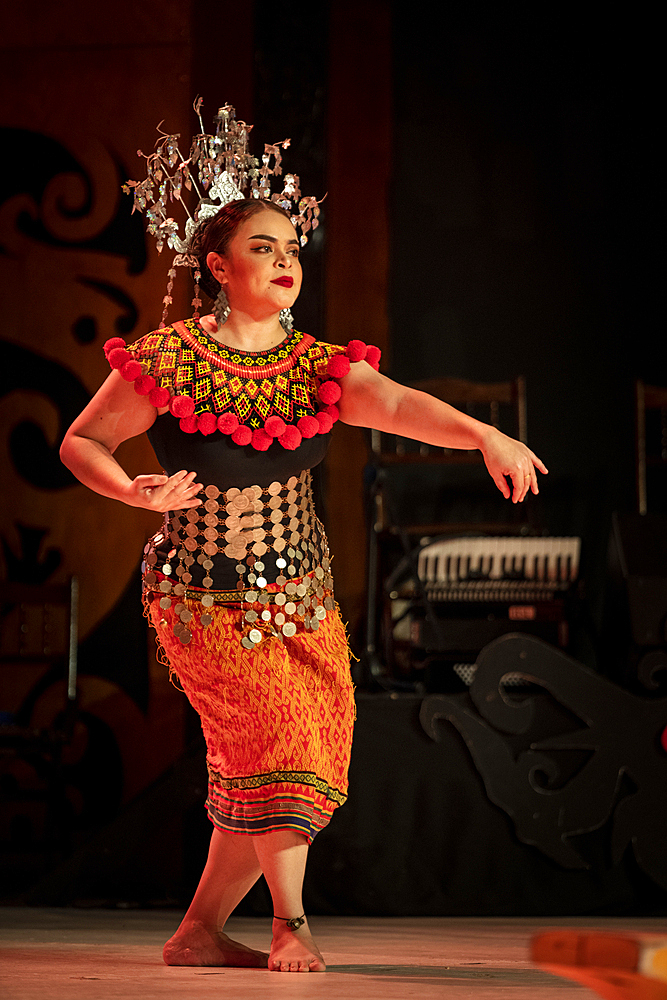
point(260, 270)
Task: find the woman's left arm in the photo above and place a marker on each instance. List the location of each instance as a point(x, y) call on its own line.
point(373, 400)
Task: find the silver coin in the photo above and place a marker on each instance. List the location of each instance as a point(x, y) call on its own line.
point(255, 635)
point(289, 629)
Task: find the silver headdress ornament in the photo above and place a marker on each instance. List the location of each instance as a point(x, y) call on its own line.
point(225, 171)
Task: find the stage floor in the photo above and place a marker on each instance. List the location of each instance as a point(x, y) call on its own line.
point(80, 954)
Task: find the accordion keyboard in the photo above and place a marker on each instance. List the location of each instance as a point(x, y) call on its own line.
point(498, 568)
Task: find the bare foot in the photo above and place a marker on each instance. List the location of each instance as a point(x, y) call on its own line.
point(294, 951)
point(196, 944)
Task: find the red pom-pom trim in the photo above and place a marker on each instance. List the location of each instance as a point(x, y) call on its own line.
point(131, 371)
point(188, 424)
point(325, 422)
point(144, 384)
point(329, 392)
point(227, 423)
point(207, 423)
point(373, 355)
point(182, 406)
point(338, 366)
point(159, 396)
point(356, 350)
point(261, 441)
point(118, 357)
point(242, 435)
point(291, 439)
point(332, 411)
point(112, 344)
point(308, 426)
point(275, 426)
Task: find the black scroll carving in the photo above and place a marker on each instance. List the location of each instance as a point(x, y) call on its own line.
point(618, 743)
point(34, 457)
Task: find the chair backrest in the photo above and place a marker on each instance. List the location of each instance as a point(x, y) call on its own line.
point(410, 493)
point(493, 402)
point(650, 439)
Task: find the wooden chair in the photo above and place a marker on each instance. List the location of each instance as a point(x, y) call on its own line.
point(395, 536)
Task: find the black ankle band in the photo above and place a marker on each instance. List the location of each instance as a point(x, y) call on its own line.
point(292, 922)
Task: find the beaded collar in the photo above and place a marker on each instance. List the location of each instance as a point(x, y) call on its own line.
point(286, 393)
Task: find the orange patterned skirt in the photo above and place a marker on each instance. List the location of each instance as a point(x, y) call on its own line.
point(277, 719)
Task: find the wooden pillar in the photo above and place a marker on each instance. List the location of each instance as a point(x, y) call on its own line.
point(359, 162)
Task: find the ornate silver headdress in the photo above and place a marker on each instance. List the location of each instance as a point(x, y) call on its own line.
point(225, 171)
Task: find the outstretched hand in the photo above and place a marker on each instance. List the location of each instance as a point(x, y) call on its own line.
point(162, 493)
point(505, 457)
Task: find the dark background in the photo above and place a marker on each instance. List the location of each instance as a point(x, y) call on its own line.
point(517, 184)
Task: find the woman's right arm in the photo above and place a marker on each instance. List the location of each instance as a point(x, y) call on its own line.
point(115, 414)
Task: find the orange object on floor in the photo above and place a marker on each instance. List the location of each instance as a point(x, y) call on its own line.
point(616, 966)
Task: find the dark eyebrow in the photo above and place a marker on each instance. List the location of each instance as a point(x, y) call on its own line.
point(271, 239)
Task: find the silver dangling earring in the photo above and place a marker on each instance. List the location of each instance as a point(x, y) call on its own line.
point(286, 320)
point(221, 307)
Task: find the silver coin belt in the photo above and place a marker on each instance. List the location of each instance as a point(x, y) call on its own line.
point(246, 525)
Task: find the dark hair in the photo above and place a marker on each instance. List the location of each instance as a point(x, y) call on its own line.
point(215, 234)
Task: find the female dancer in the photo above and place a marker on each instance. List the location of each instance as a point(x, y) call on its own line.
point(238, 584)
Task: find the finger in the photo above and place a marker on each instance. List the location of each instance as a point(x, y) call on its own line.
point(502, 485)
point(517, 484)
point(539, 463)
point(181, 478)
point(533, 482)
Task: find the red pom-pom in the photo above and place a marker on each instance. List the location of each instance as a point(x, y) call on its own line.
point(373, 355)
point(338, 366)
point(159, 396)
point(242, 435)
point(325, 422)
point(356, 350)
point(131, 370)
point(291, 439)
point(261, 440)
point(275, 426)
point(207, 423)
point(182, 406)
point(113, 343)
point(227, 423)
point(332, 411)
point(188, 424)
point(329, 392)
point(308, 426)
point(144, 384)
point(118, 357)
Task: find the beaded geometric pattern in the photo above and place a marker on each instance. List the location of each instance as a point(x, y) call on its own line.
point(277, 719)
point(254, 386)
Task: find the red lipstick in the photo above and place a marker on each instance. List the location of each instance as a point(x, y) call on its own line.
point(285, 281)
